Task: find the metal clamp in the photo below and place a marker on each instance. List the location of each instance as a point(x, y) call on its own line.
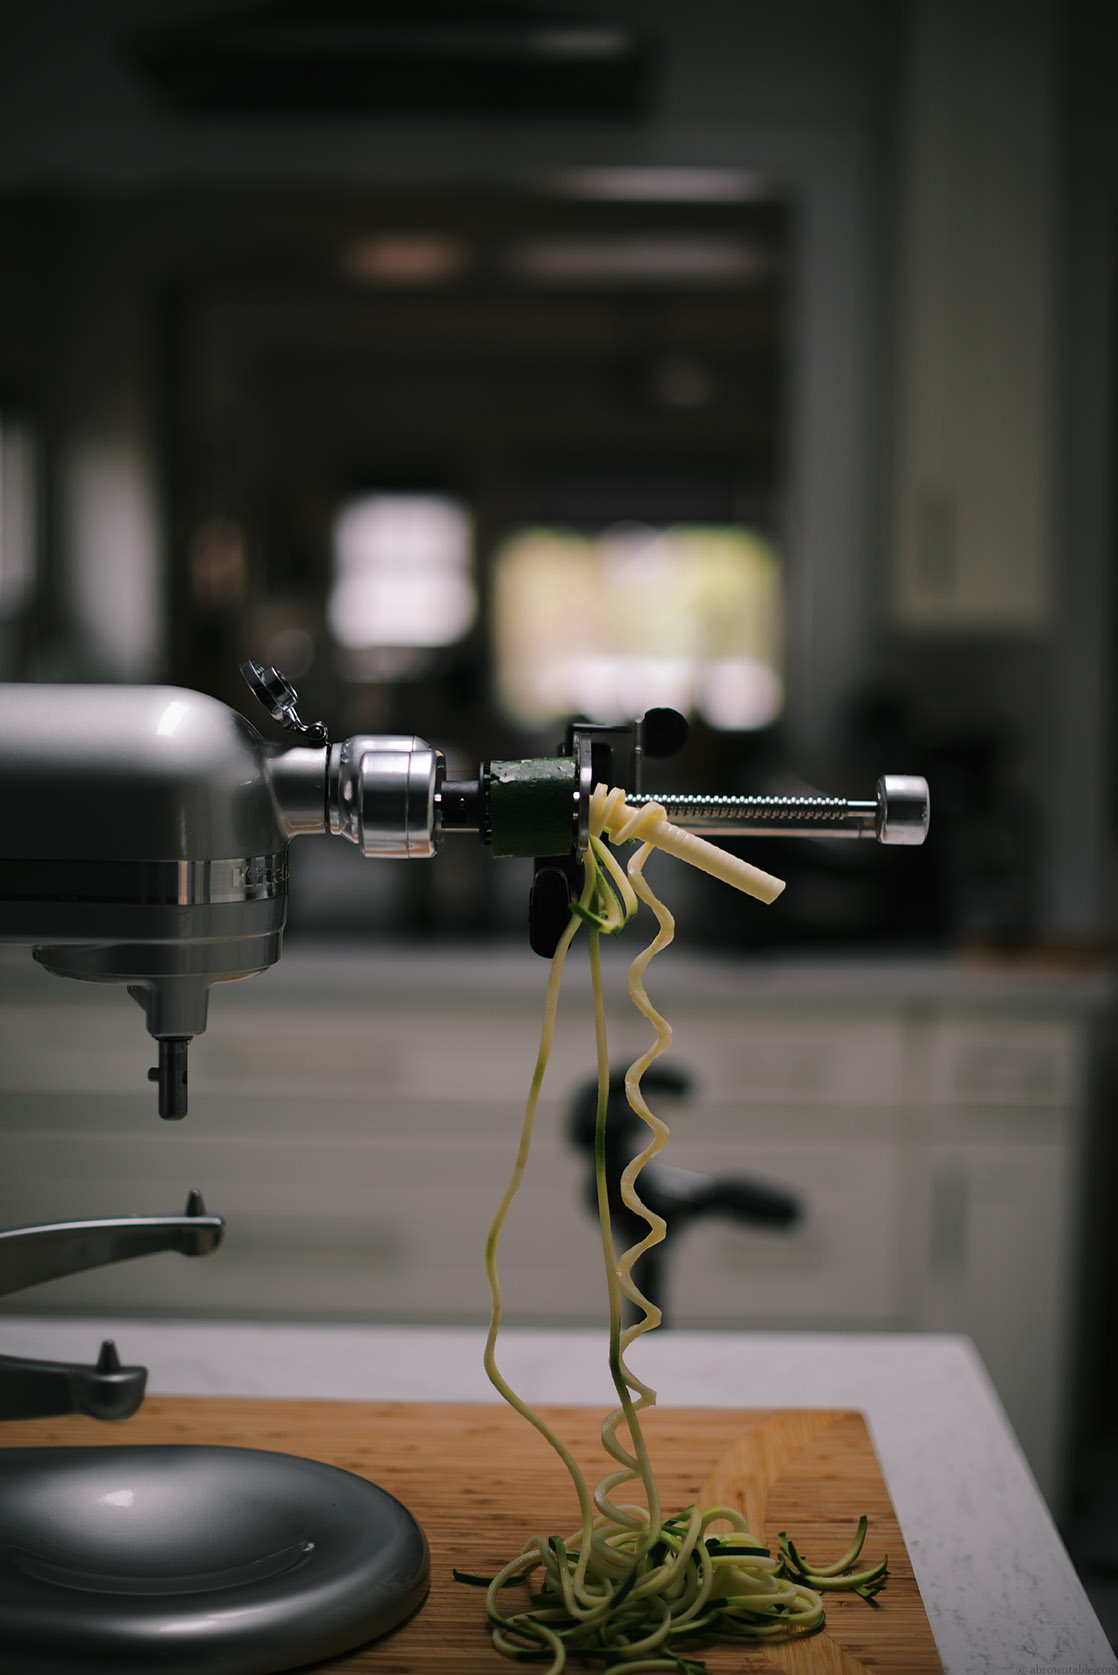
point(280, 699)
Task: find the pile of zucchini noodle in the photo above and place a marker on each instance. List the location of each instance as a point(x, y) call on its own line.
point(630, 1585)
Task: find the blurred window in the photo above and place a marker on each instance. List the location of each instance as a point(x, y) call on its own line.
point(402, 572)
point(614, 623)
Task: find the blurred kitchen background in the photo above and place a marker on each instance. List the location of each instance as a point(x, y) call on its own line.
point(485, 362)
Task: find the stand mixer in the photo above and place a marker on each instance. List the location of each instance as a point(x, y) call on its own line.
point(145, 842)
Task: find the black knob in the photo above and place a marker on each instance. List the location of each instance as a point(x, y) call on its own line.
point(549, 906)
point(664, 732)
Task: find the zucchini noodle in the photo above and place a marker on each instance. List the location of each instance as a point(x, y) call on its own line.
point(629, 1586)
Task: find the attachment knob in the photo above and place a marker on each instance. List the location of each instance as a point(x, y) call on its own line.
point(903, 806)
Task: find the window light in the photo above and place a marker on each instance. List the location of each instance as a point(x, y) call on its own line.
point(402, 572)
point(612, 624)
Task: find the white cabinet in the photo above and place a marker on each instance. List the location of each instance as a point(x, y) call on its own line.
point(996, 1191)
point(1001, 1268)
point(355, 1120)
point(975, 358)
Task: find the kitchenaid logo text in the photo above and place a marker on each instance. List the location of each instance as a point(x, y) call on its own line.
point(260, 872)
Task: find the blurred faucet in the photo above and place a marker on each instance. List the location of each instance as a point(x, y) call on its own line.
point(680, 1196)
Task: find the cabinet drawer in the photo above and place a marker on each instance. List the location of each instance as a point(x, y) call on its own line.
point(997, 1061)
point(320, 1226)
point(837, 1266)
point(324, 1225)
point(793, 1060)
point(473, 1051)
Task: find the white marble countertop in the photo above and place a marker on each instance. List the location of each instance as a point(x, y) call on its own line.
point(999, 1588)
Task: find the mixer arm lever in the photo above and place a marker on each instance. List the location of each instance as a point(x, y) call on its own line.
point(34, 1389)
point(31, 1255)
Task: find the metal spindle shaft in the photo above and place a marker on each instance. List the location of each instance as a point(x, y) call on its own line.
point(897, 814)
point(764, 816)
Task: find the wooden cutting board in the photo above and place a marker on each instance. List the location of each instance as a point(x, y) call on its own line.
point(480, 1481)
